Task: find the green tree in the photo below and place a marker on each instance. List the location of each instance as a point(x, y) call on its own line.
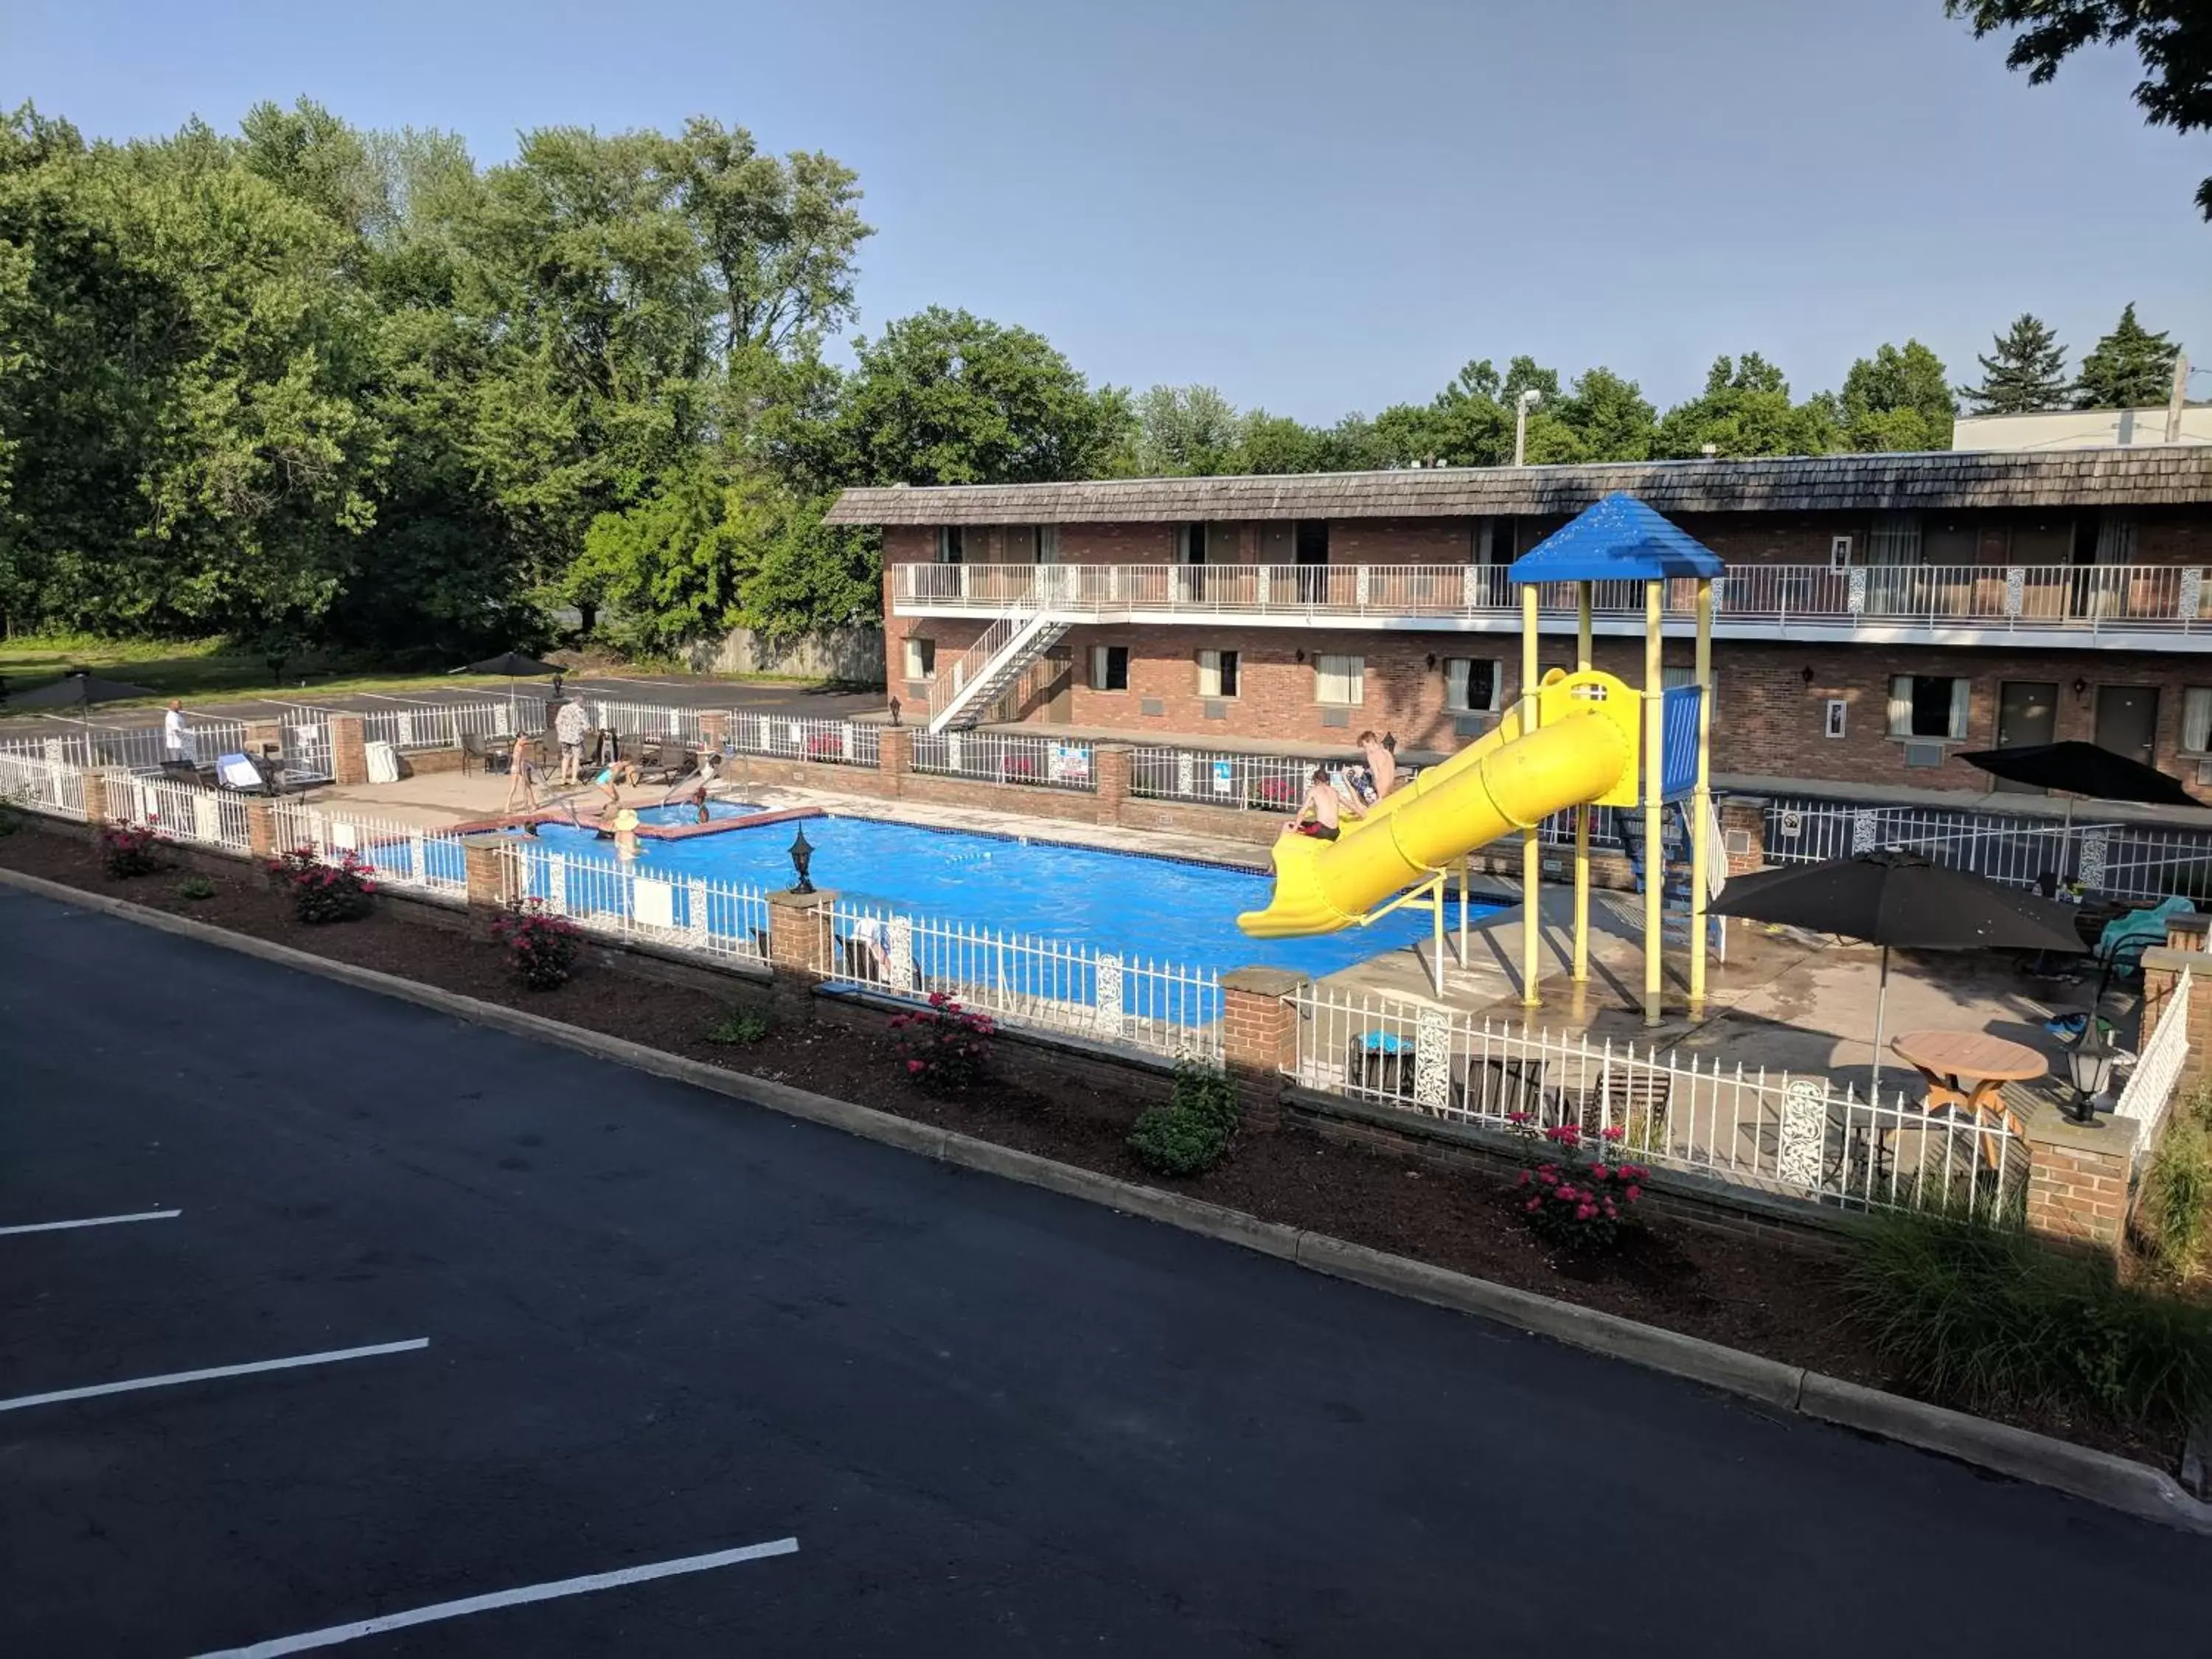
point(1608, 418)
point(1746, 409)
point(2130, 367)
point(1898, 400)
point(2173, 38)
point(2024, 372)
point(1188, 431)
point(944, 397)
point(1276, 444)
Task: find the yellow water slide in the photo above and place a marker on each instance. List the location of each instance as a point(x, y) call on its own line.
point(1582, 753)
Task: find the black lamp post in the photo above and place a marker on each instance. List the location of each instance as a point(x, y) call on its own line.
point(2090, 1062)
point(801, 854)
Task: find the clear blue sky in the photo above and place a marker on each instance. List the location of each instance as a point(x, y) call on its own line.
point(1317, 207)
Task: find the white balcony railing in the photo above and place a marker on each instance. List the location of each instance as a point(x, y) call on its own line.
point(2095, 598)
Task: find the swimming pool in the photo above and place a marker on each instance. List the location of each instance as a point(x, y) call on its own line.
point(1141, 908)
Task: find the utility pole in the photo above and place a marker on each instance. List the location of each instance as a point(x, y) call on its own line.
point(1526, 401)
point(2175, 399)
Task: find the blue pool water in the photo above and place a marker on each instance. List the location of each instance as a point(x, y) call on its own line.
point(1157, 909)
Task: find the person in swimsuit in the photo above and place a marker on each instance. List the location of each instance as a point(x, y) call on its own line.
point(611, 779)
point(1381, 763)
point(1327, 807)
point(521, 774)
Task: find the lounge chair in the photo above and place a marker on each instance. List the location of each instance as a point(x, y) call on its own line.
point(488, 758)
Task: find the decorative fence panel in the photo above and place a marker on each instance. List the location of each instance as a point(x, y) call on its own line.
point(1046, 985)
point(1006, 757)
point(833, 743)
point(2151, 1086)
point(1768, 1131)
point(716, 919)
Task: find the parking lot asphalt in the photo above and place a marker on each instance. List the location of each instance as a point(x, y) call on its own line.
point(660, 1325)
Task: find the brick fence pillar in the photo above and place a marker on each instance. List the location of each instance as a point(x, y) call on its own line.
point(2192, 931)
point(894, 758)
point(484, 876)
point(261, 828)
point(1259, 1038)
point(2077, 1179)
point(349, 750)
point(96, 797)
point(1743, 832)
point(714, 728)
point(1112, 767)
point(799, 943)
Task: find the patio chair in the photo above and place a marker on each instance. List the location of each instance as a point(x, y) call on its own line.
point(1633, 1097)
point(1495, 1088)
point(475, 746)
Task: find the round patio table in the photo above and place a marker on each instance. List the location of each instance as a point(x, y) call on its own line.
point(1969, 1070)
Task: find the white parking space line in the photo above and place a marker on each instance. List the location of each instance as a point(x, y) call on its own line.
point(132, 1386)
point(513, 1598)
point(91, 1221)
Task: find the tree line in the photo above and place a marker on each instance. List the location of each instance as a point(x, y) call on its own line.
point(312, 384)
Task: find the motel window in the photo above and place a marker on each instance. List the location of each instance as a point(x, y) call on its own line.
point(1471, 684)
point(1109, 668)
point(1341, 681)
point(920, 658)
point(2196, 720)
point(1217, 673)
point(952, 540)
point(1929, 705)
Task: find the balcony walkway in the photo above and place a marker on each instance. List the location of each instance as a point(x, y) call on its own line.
point(2144, 606)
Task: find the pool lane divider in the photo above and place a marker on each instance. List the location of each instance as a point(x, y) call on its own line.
point(2118, 1483)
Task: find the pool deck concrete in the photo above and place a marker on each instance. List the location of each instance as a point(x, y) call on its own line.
point(1784, 1000)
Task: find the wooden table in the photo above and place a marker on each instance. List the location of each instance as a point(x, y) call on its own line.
point(1969, 1070)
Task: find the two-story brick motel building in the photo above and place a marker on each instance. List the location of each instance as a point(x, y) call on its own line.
point(1880, 612)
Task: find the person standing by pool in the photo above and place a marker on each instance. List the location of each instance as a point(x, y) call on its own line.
point(521, 774)
point(1382, 764)
point(568, 728)
point(1326, 806)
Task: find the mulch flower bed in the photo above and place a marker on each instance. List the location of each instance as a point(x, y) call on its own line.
point(1750, 1294)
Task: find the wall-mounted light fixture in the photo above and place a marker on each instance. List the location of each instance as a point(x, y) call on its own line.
point(2080, 688)
point(1432, 659)
point(1808, 673)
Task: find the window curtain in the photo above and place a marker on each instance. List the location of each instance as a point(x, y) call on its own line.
point(1900, 706)
point(2196, 720)
point(1962, 691)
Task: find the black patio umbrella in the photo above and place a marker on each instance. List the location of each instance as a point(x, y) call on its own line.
point(1893, 899)
point(2082, 768)
point(79, 689)
point(514, 666)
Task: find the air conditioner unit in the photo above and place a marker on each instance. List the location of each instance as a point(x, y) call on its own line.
point(2204, 772)
point(1923, 754)
point(1475, 724)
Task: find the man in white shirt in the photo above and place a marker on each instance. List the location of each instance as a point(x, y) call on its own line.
point(176, 736)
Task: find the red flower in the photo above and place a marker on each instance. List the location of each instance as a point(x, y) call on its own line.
point(1612, 1134)
point(1633, 1193)
point(1533, 1206)
point(914, 1066)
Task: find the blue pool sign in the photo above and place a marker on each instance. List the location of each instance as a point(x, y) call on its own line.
point(1224, 781)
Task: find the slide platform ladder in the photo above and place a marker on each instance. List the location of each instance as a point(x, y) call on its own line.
point(1674, 871)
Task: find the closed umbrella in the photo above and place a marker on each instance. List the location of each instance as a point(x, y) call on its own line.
point(1900, 899)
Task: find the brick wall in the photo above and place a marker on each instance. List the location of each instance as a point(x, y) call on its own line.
point(1769, 720)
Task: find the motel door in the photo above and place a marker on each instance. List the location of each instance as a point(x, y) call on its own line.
point(1056, 684)
point(2127, 720)
point(2027, 713)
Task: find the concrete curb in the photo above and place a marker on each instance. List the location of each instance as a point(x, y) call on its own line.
point(2117, 1483)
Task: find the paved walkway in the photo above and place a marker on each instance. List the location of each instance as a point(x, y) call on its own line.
point(996, 1421)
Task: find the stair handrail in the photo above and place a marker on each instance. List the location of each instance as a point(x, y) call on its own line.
point(973, 665)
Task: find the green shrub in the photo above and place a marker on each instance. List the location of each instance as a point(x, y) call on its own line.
point(1982, 1317)
point(195, 888)
point(130, 849)
point(322, 893)
point(944, 1048)
point(1192, 1132)
point(2176, 1213)
point(741, 1027)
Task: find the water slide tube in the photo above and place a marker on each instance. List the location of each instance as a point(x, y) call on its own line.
point(1582, 752)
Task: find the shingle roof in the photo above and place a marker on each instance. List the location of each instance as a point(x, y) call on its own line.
point(2178, 474)
point(1619, 538)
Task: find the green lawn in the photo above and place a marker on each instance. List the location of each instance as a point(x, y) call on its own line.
point(201, 668)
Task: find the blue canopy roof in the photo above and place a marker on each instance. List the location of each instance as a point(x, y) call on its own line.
point(1615, 538)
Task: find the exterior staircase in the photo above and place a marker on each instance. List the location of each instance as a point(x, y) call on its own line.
point(989, 667)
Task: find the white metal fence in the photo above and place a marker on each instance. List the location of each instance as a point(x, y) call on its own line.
point(2152, 1085)
point(138, 748)
point(2124, 860)
point(1006, 757)
point(1778, 1134)
point(1265, 783)
point(178, 811)
point(833, 743)
point(402, 855)
point(442, 726)
point(717, 919)
point(52, 787)
point(640, 720)
point(1046, 984)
